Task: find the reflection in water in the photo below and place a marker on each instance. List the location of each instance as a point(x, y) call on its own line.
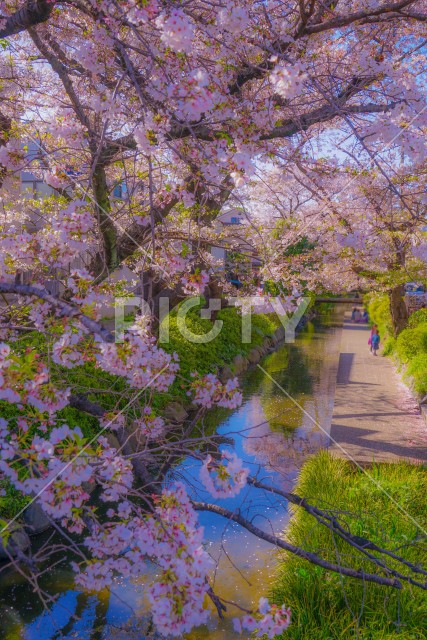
point(273, 435)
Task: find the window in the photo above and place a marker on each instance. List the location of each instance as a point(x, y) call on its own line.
point(35, 188)
point(235, 220)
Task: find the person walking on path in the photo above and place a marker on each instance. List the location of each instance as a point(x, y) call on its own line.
point(373, 329)
point(356, 315)
point(375, 340)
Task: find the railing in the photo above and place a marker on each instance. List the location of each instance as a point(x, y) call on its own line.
point(342, 300)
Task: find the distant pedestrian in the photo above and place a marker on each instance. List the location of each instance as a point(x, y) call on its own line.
point(356, 315)
point(365, 316)
point(375, 342)
point(374, 328)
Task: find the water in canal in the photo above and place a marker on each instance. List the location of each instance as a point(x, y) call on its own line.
point(285, 416)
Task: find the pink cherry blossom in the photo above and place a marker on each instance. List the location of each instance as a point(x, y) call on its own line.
point(225, 478)
point(208, 390)
point(288, 80)
point(176, 30)
point(269, 621)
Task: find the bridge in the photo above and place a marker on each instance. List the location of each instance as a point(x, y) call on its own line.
point(341, 300)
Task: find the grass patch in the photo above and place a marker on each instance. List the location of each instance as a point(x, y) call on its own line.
point(328, 607)
point(206, 357)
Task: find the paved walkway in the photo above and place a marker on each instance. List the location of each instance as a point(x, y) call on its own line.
point(375, 417)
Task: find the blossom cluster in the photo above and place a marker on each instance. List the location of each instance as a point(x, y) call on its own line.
point(193, 97)
point(233, 19)
point(139, 360)
point(62, 468)
point(288, 80)
point(15, 250)
point(242, 168)
point(208, 391)
point(113, 473)
point(39, 314)
point(269, 621)
point(224, 478)
point(91, 298)
point(195, 283)
point(113, 420)
point(65, 351)
point(66, 236)
point(176, 30)
point(148, 135)
point(149, 425)
point(171, 264)
point(25, 379)
point(171, 536)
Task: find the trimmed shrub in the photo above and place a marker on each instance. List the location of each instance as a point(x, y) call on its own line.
point(418, 317)
point(410, 347)
point(411, 342)
point(379, 313)
point(417, 368)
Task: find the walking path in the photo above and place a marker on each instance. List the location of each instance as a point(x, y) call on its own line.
point(375, 418)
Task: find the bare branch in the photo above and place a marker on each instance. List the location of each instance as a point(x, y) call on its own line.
point(279, 542)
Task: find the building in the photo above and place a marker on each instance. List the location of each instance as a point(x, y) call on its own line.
point(243, 257)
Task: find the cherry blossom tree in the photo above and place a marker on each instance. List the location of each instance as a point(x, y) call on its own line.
point(184, 107)
point(357, 232)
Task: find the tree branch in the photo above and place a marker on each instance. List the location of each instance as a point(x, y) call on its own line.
point(81, 402)
point(297, 551)
point(374, 15)
point(64, 308)
point(33, 12)
point(301, 553)
point(324, 114)
point(361, 544)
point(5, 125)
point(62, 72)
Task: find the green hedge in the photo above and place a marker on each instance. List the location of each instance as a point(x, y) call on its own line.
point(411, 342)
point(210, 356)
point(418, 317)
point(410, 347)
point(327, 606)
point(207, 357)
point(417, 369)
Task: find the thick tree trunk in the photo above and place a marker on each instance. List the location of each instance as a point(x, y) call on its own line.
point(5, 125)
point(30, 14)
point(109, 260)
point(398, 310)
